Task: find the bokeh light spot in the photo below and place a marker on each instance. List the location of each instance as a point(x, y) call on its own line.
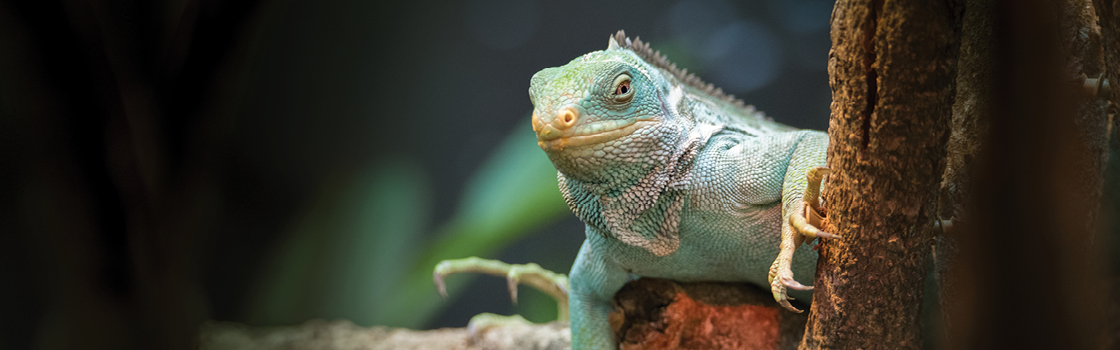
point(743, 56)
point(804, 16)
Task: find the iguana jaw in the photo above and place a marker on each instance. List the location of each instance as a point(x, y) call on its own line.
point(551, 138)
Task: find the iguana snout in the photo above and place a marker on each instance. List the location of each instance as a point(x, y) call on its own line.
point(566, 117)
point(565, 129)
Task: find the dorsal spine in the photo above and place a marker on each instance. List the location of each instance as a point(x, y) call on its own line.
point(658, 60)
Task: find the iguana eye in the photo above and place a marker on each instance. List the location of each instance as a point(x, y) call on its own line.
point(623, 91)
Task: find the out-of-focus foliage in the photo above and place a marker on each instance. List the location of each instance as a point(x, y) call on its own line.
point(358, 252)
point(327, 264)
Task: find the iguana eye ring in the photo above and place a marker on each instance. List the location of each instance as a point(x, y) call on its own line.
point(623, 90)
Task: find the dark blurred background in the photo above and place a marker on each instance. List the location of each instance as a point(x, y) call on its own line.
point(168, 162)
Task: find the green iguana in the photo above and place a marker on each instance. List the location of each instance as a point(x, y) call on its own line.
point(673, 179)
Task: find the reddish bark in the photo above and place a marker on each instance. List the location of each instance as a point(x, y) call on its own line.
point(655, 313)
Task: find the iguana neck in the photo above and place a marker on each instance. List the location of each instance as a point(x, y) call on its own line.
point(642, 211)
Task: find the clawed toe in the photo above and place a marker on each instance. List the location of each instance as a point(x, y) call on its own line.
point(788, 306)
point(807, 228)
point(778, 285)
point(810, 216)
point(553, 284)
point(442, 269)
point(792, 283)
point(486, 321)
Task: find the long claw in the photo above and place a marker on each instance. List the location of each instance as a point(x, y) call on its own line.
point(511, 283)
point(827, 235)
point(437, 277)
point(802, 225)
point(792, 283)
point(788, 306)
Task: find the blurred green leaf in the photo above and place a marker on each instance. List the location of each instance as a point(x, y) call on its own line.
point(356, 252)
point(514, 192)
point(342, 259)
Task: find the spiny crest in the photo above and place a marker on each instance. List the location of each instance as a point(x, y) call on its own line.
point(655, 58)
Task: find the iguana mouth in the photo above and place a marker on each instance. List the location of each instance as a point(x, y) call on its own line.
point(550, 138)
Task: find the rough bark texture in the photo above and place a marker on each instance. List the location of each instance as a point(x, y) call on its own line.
point(1027, 265)
point(1108, 16)
point(970, 108)
point(892, 72)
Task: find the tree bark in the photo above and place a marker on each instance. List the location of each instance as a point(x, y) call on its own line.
point(654, 313)
point(892, 70)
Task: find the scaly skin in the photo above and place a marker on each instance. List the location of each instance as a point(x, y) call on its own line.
point(673, 179)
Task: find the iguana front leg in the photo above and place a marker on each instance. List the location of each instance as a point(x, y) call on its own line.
point(595, 279)
point(800, 227)
point(801, 217)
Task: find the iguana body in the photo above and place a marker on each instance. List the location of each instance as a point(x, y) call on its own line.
point(672, 178)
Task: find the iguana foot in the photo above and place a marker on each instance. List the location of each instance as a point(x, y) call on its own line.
point(551, 283)
point(486, 321)
point(807, 219)
point(805, 222)
point(780, 278)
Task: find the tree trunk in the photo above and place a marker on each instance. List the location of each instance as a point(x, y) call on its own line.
point(1108, 14)
point(1028, 267)
point(892, 70)
point(972, 110)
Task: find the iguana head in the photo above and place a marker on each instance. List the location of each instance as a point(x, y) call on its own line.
point(606, 115)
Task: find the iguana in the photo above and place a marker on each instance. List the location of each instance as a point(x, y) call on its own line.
point(673, 179)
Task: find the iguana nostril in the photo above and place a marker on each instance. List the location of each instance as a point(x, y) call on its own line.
point(566, 118)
